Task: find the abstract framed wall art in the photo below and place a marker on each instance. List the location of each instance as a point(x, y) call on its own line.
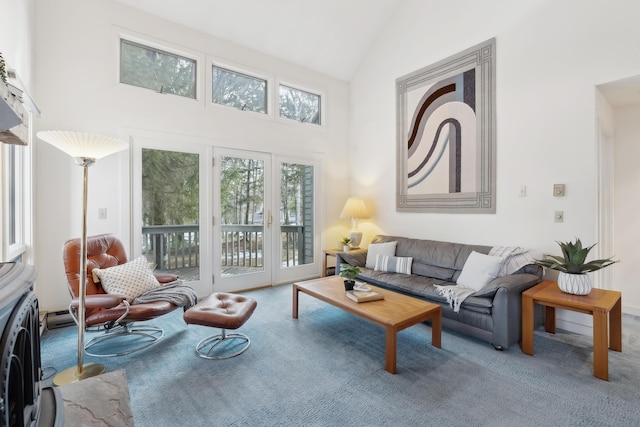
point(446, 135)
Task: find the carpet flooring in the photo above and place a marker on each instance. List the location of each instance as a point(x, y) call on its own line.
point(327, 369)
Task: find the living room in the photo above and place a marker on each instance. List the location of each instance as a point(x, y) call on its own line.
point(551, 60)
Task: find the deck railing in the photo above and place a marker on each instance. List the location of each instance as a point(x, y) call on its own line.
point(176, 247)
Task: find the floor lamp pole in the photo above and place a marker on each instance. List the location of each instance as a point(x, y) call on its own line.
point(81, 371)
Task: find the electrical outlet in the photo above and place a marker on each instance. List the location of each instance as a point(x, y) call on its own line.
point(102, 213)
point(558, 216)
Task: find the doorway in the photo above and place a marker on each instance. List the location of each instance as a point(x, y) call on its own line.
point(265, 228)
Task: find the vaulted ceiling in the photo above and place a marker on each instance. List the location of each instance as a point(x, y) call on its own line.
point(329, 36)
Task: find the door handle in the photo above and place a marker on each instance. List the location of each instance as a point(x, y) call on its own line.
point(269, 219)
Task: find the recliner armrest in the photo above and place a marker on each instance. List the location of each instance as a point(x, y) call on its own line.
point(99, 301)
point(164, 278)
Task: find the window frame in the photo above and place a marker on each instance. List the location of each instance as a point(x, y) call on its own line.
point(18, 213)
point(213, 61)
point(164, 47)
point(267, 95)
point(302, 88)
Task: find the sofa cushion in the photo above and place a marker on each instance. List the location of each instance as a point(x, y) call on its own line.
point(374, 249)
point(478, 270)
point(422, 287)
point(393, 264)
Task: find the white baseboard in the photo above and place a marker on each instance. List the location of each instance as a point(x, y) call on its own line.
point(571, 321)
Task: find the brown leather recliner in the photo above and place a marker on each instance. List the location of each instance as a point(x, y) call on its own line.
point(109, 312)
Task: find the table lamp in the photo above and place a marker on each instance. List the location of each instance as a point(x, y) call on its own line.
point(354, 210)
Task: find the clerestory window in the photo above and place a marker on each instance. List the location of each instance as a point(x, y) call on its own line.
point(238, 90)
point(300, 105)
point(154, 69)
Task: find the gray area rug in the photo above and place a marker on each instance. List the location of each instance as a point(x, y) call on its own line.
point(327, 369)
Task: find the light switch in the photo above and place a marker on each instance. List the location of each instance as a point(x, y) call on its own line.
point(558, 190)
point(102, 213)
point(523, 191)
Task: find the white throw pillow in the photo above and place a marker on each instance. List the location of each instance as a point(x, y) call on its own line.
point(384, 249)
point(478, 270)
point(131, 279)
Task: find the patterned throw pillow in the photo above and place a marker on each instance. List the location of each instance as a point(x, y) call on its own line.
point(131, 279)
point(375, 249)
point(393, 264)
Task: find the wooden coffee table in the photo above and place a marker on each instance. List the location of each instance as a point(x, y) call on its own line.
point(394, 313)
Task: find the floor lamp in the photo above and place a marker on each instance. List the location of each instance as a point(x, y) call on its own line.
point(86, 149)
point(354, 209)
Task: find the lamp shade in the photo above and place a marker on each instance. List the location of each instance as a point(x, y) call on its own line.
point(83, 145)
point(354, 209)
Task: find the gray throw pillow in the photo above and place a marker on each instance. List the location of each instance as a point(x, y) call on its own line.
point(388, 249)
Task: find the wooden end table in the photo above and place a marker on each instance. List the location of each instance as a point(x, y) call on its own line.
point(605, 306)
point(394, 313)
point(327, 253)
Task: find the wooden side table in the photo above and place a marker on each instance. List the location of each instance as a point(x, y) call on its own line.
point(605, 306)
point(328, 253)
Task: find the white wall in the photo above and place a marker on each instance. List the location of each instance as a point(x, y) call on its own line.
point(550, 56)
point(16, 38)
point(627, 225)
point(77, 90)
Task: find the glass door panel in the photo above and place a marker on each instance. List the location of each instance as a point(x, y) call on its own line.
point(297, 225)
point(169, 203)
point(243, 208)
point(242, 219)
point(296, 214)
point(170, 212)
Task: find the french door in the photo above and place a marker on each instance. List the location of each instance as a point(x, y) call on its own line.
point(221, 219)
point(264, 228)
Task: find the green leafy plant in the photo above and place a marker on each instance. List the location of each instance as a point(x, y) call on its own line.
point(349, 271)
point(346, 240)
point(3, 70)
point(573, 259)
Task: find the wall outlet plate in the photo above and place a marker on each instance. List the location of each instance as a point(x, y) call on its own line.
point(558, 216)
point(558, 190)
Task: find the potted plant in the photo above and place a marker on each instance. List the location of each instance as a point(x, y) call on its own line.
point(3, 70)
point(574, 278)
point(346, 241)
point(349, 272)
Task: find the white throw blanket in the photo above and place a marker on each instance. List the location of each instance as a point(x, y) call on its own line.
point(513, 259)
point(455, 294)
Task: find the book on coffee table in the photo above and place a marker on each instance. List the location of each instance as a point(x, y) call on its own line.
point(364, 296)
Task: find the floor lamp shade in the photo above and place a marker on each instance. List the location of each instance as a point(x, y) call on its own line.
point(85, 148)
point(83, 145)
point(354, 209)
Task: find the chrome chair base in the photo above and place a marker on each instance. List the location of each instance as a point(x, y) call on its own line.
point(207, 346)
point(148, 335)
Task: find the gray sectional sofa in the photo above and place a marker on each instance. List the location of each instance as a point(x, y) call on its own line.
point(492, 313)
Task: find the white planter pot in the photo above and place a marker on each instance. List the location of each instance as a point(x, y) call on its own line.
point(576, 284)
point(345, 248)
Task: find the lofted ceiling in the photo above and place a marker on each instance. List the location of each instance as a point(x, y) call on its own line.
point(329, 36)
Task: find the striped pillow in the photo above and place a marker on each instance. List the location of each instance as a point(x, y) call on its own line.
point(392, 264)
